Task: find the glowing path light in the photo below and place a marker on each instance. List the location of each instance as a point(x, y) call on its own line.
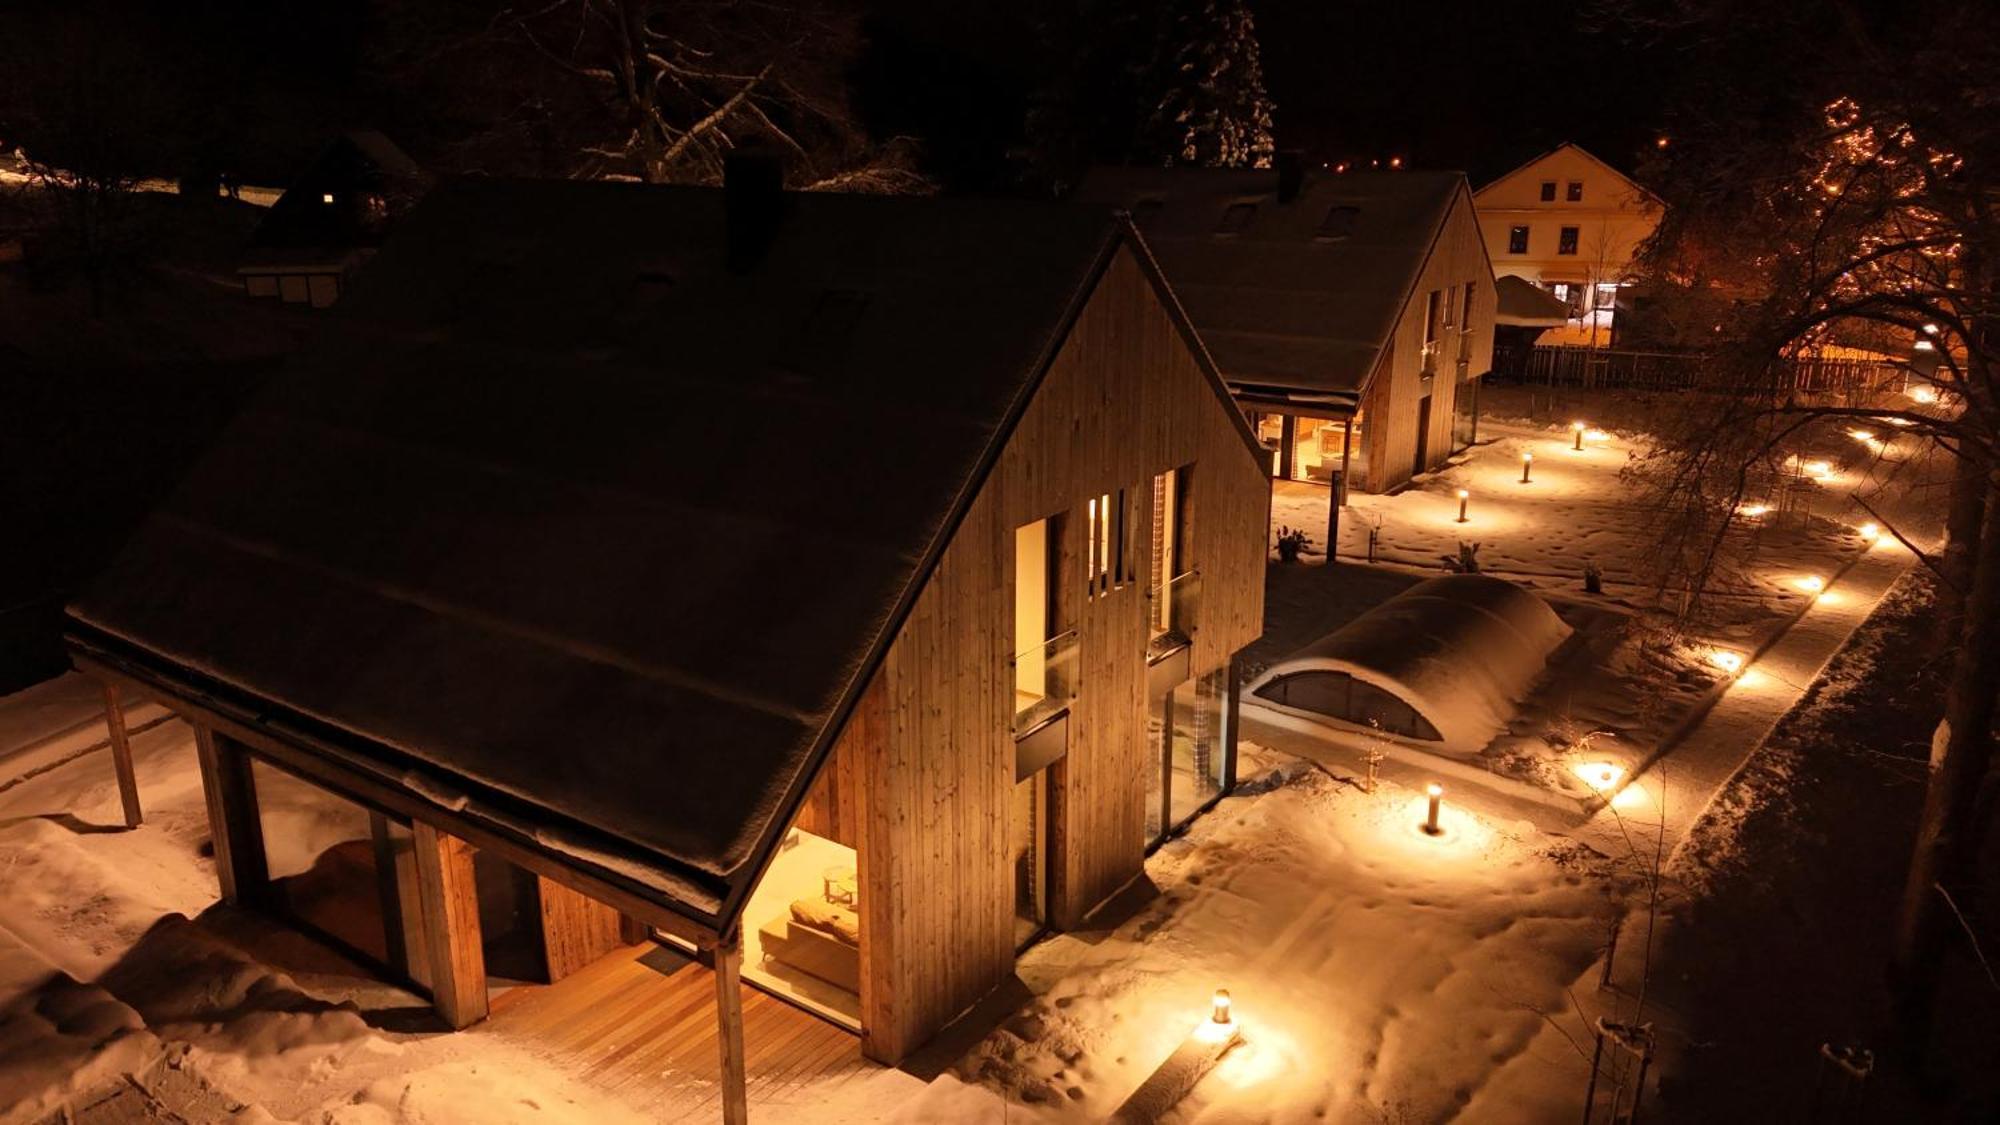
point(1923, 394)
point(1870, 532)
point(1577, 428)
point(1463, 496)
point(1527, 463)
point(1435, 792)
point(1753, 511)
point(1818, 470)
point(1730, 662)
point(1811, 584)
point(1599, 775)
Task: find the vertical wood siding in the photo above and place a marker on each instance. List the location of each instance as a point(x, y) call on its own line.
point(1124, 400)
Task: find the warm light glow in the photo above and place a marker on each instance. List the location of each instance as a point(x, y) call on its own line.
point(1901, 422)
point(1433, 790)
point(1464, 495)
point(1730, 662)
point(1599, 775)
point(1819, 470)
point(1870, 532)
point(326, 197)
point(1753, 511)
point(1596, 435)
point(1811, 584)
point(1525, 457)
point(1395, 162)
point(1862, 435)
point(1923, 394)
point(1924, 346)
point(1578, 426)
point(1220, 1026)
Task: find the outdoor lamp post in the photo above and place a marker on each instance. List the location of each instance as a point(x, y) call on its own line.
point(1436, 793)
point(1577, 428)
point(1527, 463)
point(1463, 496)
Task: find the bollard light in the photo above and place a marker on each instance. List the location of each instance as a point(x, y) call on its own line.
point(1436, 793)
point(1527, 463)
point(1923, 394)
point(1220, 1026)
point(1752, 511)
point(1463, 496)
point(1577, 428)
point(1812, 584)
point(1870, 532)
point(1730, 662)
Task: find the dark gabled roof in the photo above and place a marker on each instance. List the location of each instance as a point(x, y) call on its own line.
point(1301, 295)
point(371, 181)
point(1520, 303)
point(566, 517)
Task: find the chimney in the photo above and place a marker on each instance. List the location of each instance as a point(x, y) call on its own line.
point(1291, 174)
point(753, 202)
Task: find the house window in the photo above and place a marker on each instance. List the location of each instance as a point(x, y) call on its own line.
point(1339, 223)
point(1173, 592)
point(1451, 307)
point(1106, 555)
point(326, 197)
point(1548, 191)
point(1517, 240)
point(1044, 658)
point(1574, 193)
point(1471, 287)
point(1607, 295)
point(1431, 329)
point(1236, 218)
point(1566, 241)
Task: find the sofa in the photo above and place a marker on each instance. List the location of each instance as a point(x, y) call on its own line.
point(821, 939)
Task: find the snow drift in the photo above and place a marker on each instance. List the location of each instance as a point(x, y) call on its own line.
point(1443, 662)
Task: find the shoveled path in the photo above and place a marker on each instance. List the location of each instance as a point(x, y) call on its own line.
point(1689, 775)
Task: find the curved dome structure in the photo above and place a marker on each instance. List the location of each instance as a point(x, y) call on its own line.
point(1443, 662)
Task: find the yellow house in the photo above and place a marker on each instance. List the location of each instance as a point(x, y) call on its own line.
point(1570, 223)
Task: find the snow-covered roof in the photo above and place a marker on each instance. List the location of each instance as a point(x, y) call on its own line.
point(1303, 294)
point(1523, 304)
point(601, 528)
point(1462, 650)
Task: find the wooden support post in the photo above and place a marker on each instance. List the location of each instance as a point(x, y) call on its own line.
point(631, 931)
point(121, 755)
point(729, 1029)
point(576, 929)
point(449, 899)
point(233, 827)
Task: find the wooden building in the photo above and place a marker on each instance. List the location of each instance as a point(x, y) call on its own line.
point(845, 588)
point(331, 219)
point(1351, 314)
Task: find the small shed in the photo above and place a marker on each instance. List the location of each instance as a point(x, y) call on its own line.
point(1442, 663)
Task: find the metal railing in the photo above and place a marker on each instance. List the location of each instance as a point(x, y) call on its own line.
point(1044, 681)
point(1172, 612)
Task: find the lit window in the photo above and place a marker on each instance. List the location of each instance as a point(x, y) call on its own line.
point(1548, 191)
point(1451, 307)
point(1607, 295)
point(1236, 218)
point(326, 197)
point(1566, 241)
point(1105, 560)
point(1575, 191)
point(1431, 328)
point(1517, 240)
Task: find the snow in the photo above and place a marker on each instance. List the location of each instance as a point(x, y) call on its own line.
point(1462, 650)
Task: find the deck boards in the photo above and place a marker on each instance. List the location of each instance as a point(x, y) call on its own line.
point(650, 1037)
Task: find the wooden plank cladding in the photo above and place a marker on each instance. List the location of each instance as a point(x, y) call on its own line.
point(1125, 399)
point(576, 929)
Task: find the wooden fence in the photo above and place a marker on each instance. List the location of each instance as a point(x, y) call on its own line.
point(1569, 365)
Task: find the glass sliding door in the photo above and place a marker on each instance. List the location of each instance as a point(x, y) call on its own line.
point(1028, 831)
point(1188, 734)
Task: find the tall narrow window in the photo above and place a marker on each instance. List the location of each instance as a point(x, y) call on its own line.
point(1575, 192)
point(1172, 591)
point(1517, 240)
point(1471, 287)
point(1431, 304)
point(1034, 590)
point(1566, 241)
point(1106, 560)
point(1451, 307)
point(1548, 191)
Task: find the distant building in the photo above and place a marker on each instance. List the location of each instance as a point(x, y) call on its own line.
point(1571, 224)
point(1352, 314)
point(811, 578)
point(329, 222)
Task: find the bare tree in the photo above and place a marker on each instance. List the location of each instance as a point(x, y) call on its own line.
point(670, 88)
point(1869, 220)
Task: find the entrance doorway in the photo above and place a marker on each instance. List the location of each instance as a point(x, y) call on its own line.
point(1423, 435)
point(1029, 851)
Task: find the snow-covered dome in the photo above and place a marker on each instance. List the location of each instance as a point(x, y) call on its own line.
point(1443, 662)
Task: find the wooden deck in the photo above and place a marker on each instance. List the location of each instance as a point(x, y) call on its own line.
point(625, 1026)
